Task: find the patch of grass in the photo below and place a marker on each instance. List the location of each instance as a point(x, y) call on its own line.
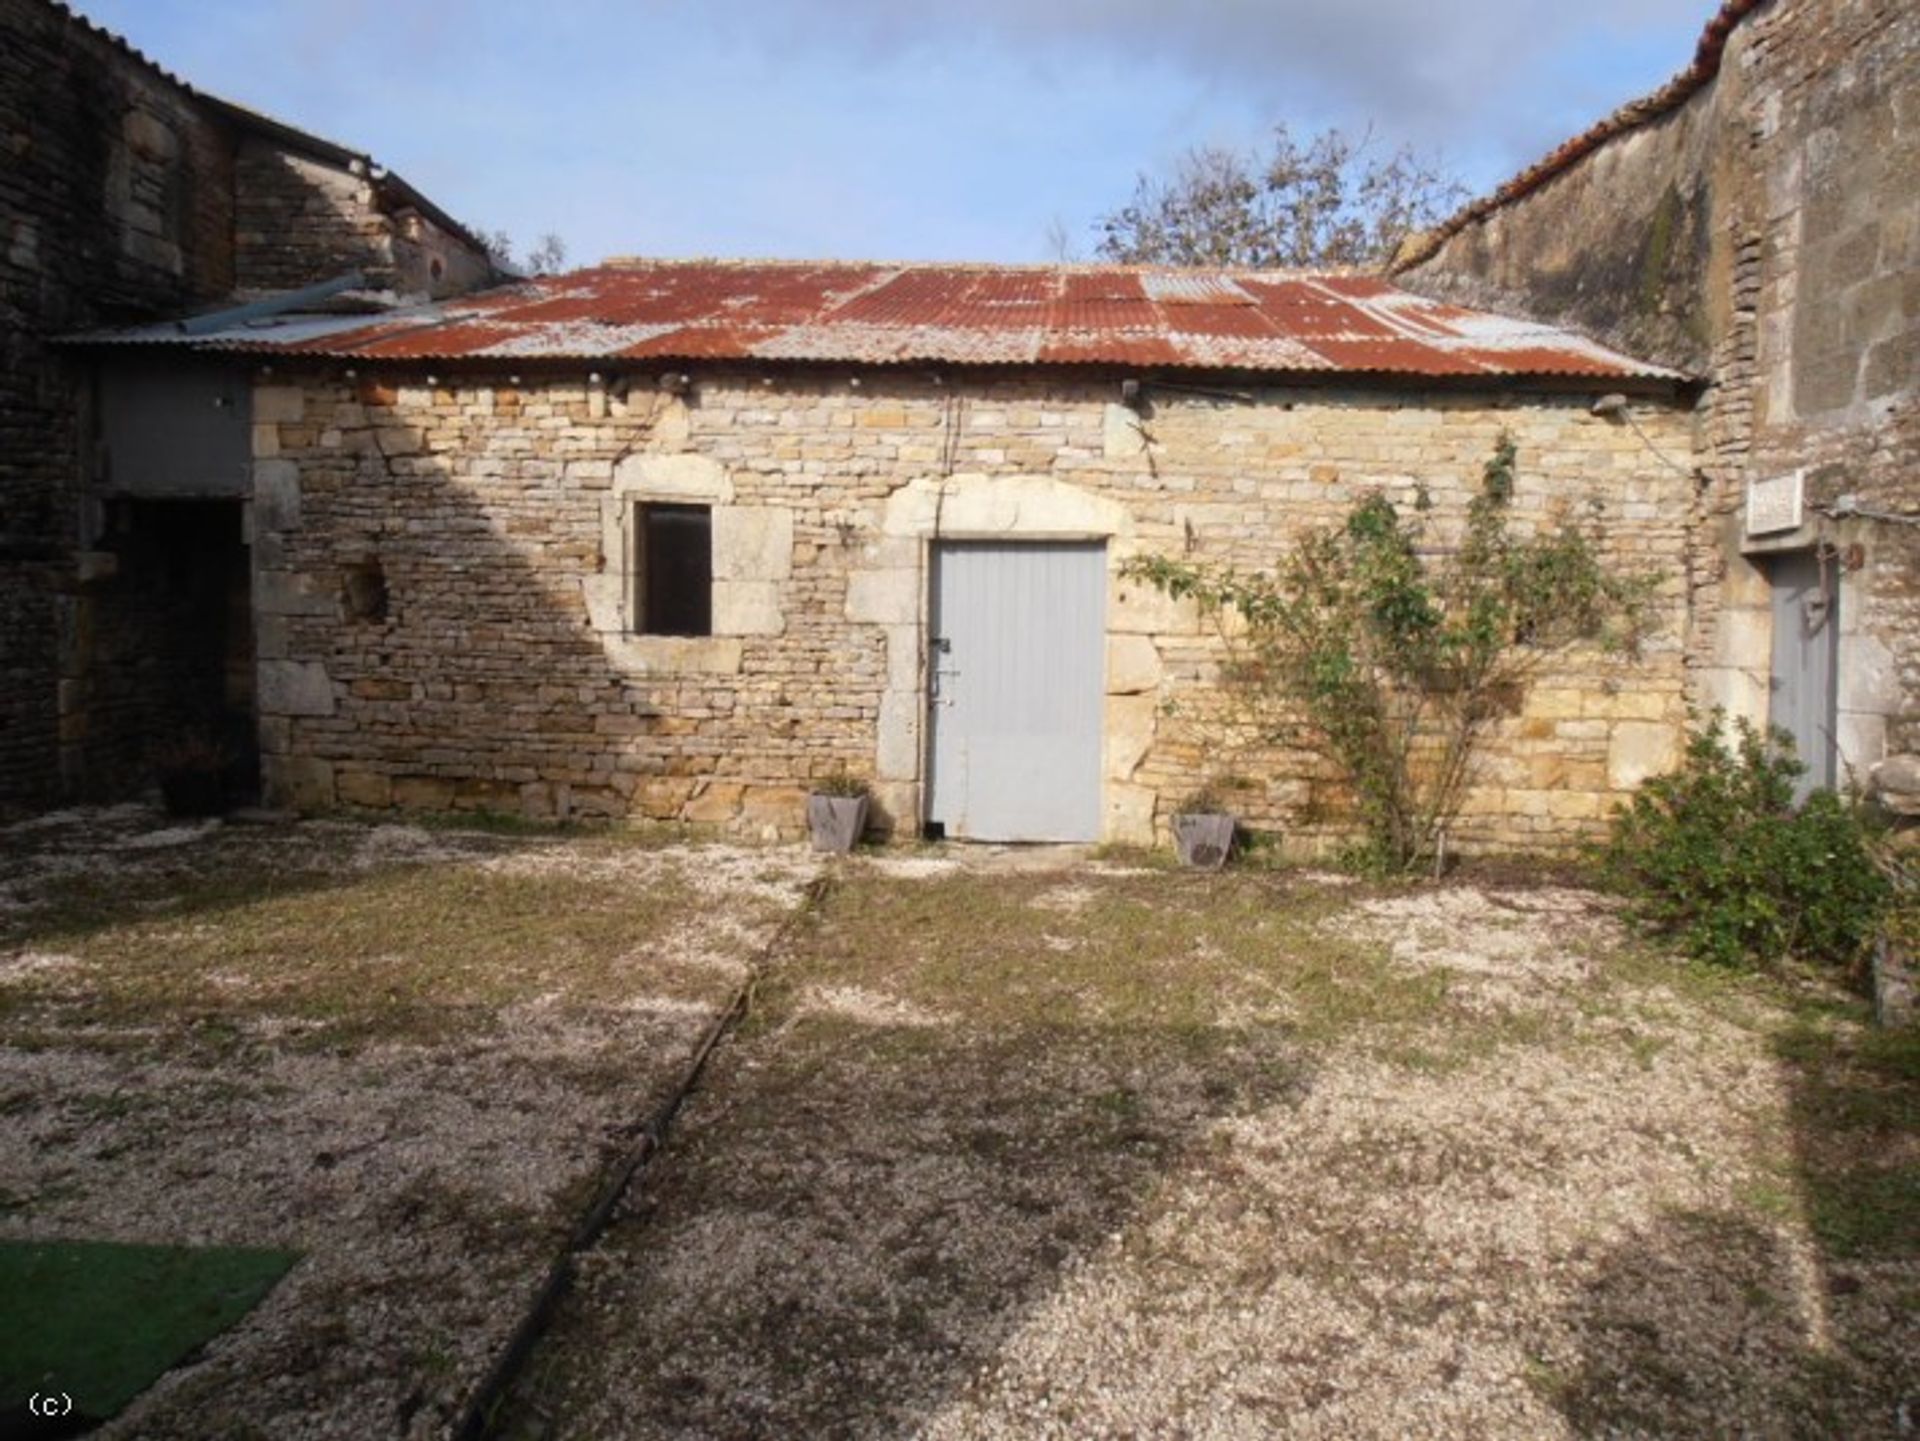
point(1169, 952)
point(1855, 1107)
point(101, 1322)
point(399, 953)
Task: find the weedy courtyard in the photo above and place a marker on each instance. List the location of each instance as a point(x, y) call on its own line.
point(1007, 1144)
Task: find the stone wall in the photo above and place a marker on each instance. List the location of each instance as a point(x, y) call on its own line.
point(1766, 234)
point(300, 218)
point(500, 670)
point(122, 194)
point(115, 203)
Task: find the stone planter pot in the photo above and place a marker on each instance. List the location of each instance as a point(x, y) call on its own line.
point(836, 822)
point(1203, 840)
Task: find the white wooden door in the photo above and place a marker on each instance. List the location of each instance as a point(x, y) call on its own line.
point(1806, 631)
point(1017, 672)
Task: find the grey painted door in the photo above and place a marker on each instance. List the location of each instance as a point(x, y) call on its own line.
point(1806, 629)
point(1017, 675)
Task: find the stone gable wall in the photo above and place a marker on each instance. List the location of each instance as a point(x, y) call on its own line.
point(115, 204)
point(298, 220)
point(1767, 236)
point(502, 673)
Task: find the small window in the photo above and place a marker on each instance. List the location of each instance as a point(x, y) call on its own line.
point(674, 588)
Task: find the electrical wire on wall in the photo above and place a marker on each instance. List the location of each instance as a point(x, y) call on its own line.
point(1617, 407)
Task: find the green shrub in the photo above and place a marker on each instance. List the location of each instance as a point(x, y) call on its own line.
point(1717, 856)
point(1391, 655)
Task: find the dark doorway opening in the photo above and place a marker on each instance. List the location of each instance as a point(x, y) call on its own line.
point(171, 679)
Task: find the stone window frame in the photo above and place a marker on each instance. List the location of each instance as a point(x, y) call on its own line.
point(752, 563)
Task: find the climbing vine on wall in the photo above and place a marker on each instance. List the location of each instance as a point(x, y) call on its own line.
point(1390, 655)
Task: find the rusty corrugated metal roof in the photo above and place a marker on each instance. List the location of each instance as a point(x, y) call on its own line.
point(865, 313)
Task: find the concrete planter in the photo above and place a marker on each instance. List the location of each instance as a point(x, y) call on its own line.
point(836, 822)
point(1203, 840)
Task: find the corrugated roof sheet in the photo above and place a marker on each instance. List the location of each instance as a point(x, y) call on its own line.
point(863, 313)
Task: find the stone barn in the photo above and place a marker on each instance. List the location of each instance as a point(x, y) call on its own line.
point(680, 540)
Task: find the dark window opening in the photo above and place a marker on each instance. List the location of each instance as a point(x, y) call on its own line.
point(676, 570)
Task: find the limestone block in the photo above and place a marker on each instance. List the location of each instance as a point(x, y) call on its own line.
point(605, 598)
point(364, 788)
point(1640, 750)
point(674, 477)
point(484, 793)
point(747, 607)
point(782, 806)
point(1869, 673)
point(1744, 638)
point(605, 802)
point(295, 687)
point(276, 495)
point(1128, 815)
point(672, 425)
point(1558, 704)
point(982, 505)
point(717, 803)
point(149, 136)
point(897, 750)
point(884, 597)
point(279, 404)
point(1136, 608)
point(1741, 692)
point(1860, 738)
point(1121, 434)
point(1130, 720)
point(1133, 665)
point(903, 658)
point(1897, 782)
point(890, 552)
point(285, 592)
point(301, 783)
point(752, 542)
point(896, 807)
point(671, 654)
point(1637, 705)
point(662, 797)
point(1745, 585)
point(1573, 805)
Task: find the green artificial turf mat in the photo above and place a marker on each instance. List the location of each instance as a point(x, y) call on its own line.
point(101, 1322)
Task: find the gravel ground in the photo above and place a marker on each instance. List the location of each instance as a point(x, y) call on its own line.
point(1128, 1153)
point(323, 1037)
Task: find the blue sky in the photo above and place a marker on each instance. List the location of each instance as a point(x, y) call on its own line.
point(888, 128)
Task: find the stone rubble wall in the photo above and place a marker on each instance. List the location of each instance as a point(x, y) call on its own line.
point(1765, 235)
point(125, 198)
point(299, 219)
point(115, 203)
point(503, 673)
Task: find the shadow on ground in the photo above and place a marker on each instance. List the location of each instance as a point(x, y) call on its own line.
point(1799, 1312)
point(877, 1191)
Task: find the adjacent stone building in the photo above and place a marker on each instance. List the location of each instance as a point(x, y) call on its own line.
point(127, 195)
point(681, 540)
point(1757, 223)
